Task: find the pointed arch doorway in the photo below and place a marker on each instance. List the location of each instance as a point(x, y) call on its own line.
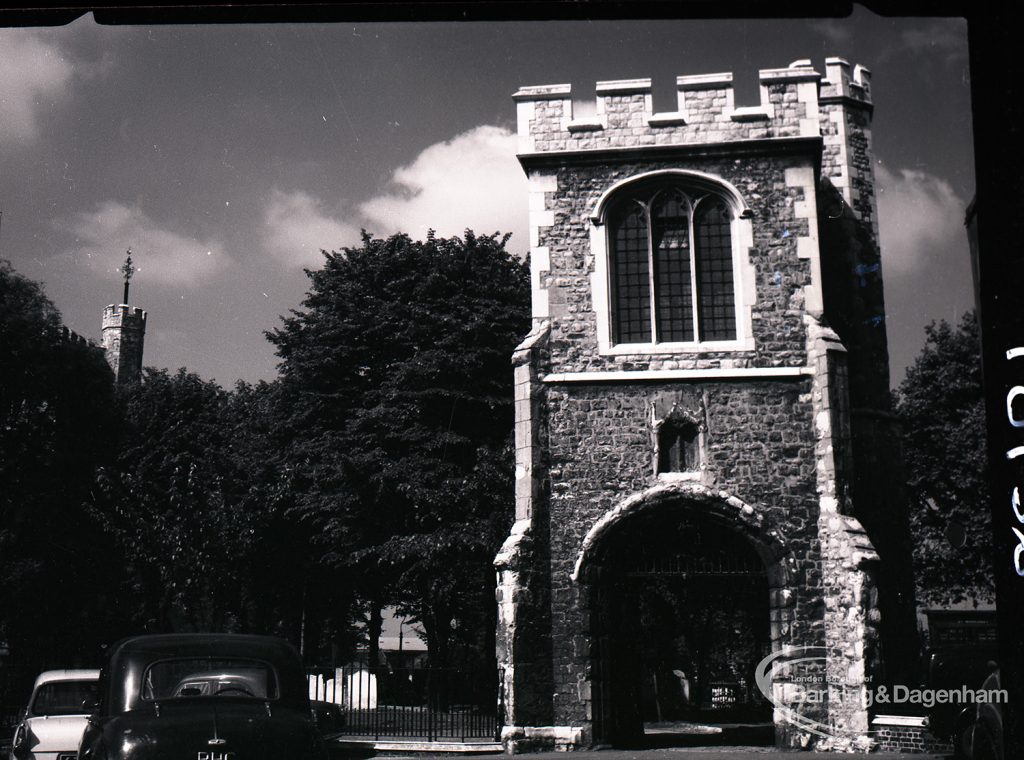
point(680, 616)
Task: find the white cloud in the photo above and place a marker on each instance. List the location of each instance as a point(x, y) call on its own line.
point(298, 229)
point(472, 180)
point(920, 216)
point(947, 37)
point(161, 256)
point(33, 73)
point(835, 31)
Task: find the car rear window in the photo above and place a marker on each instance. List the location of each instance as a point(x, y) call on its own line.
point(63, 697)
point(203, 677)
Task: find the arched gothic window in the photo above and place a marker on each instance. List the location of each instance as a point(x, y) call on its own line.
point(671, 266)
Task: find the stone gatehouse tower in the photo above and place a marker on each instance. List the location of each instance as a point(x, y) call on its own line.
point(707, 467)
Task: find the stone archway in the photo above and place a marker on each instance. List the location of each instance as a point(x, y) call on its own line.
point(723, 555)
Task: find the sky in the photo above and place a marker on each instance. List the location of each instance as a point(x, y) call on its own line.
point(227, 156)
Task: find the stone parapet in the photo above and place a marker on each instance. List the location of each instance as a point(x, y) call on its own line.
point(122, 315)
point(841, 82)
point(706, 110)
point(67, 335)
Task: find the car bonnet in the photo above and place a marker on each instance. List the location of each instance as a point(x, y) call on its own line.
point(55, 733)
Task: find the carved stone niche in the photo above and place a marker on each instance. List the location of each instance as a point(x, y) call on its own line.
point(679, 446)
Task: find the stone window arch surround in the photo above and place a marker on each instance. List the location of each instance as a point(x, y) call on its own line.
point(701, 501)
point(743, 270)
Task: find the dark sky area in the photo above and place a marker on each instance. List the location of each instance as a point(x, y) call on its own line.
point(227, 156)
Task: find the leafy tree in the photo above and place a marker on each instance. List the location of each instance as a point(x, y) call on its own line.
point(942, 410)
point(294, 595)
point(57, 418)
point(168, 502)
point(397, 378)
point(196, 505)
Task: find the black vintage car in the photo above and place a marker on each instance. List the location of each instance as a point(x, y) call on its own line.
point(202, 697)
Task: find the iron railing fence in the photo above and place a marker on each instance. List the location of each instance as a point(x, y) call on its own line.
point(430, 704)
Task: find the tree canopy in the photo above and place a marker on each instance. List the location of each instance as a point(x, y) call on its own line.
point(174, 502)
point(397, 377)
point(57, 422)
point(941, 407)
point(196, 504)
point(377, 468)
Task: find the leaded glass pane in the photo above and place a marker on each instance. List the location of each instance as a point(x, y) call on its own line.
point(670, 227)
point(631, 274)
point(715, 297)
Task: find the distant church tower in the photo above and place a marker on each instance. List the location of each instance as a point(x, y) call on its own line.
point(124, 331)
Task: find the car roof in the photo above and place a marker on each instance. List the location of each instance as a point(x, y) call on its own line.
point(203, 644)
point(81, 674)
point(130, 657)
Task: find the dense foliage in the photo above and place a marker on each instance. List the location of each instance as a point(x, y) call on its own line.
point(57, 424)
point(396, 376)
point(941, 407)
point(376, 471)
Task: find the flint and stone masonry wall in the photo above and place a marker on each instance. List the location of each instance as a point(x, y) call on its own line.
point(778, 445)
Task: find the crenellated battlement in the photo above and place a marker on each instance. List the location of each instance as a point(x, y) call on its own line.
point(67, 335)
point(118, 315)
point(706, 110)
point(840, 82)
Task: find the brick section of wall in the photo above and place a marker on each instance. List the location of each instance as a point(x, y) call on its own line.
point(908, 739)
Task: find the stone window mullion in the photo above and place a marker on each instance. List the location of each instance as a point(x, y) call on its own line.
point(652, 275)
point(691, 252)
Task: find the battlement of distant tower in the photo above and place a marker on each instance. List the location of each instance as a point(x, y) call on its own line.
point(118, 315)
point(67, 335)
point(796, 101)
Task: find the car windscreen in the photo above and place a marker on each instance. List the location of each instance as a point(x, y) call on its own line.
point(63, 697)
point(202, 677)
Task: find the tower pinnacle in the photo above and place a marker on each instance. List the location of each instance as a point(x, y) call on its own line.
point(124, 332)
point(127, 270)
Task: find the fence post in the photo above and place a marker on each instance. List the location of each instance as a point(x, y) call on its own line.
point(500, 716)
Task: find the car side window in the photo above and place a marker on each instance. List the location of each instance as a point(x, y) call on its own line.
point(62, 697)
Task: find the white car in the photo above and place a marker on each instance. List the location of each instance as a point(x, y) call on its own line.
point(55, 718)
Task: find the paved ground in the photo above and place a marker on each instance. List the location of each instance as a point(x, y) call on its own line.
point(663, 753)
point(717, 753)
point(681, 753)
